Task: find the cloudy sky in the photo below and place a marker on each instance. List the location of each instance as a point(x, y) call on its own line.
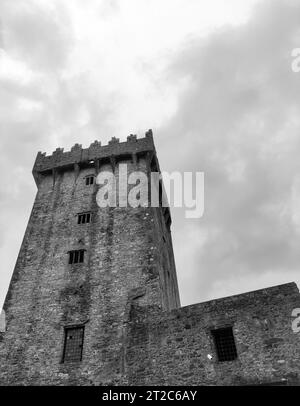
point(212, 78)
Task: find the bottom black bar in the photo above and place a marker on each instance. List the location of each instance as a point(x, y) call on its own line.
point(133, 395)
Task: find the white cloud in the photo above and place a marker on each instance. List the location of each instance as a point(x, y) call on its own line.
point(212, 78)
point(238, 122)
point(14, 70)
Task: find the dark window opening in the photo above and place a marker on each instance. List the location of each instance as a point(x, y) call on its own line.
point(89, 180)
point(84, 218)
point(160, 194)
point(76, 257)
point(73, 345)
point(225, 344)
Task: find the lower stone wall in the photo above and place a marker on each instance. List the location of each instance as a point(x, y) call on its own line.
point(178, 348)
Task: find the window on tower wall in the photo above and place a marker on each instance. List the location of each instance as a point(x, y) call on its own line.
point(84, 218)
point(76, 257)
point(73, 344)
point(160, 191)
point(225, 344)
point(89, 180)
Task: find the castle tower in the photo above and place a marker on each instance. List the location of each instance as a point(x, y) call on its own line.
point(80, 269)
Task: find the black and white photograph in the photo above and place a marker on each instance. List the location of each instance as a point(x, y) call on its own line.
point(150, 196)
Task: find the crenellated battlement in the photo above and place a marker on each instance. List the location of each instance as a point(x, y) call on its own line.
point(78, 155)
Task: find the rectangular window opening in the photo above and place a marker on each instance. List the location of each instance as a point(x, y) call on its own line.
point(89, 180)
point(81, 256)
point(225, 344)
point(160, 191)
point(84, 218)
point(76, 257)
point(73, 344)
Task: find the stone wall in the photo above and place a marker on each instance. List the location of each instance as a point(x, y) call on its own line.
point(177, 348)
point(79, 155)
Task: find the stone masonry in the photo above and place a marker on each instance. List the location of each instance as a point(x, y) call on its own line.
point(125, 293)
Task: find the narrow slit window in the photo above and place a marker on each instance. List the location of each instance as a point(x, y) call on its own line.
point(81, 256)
point(84, 218)
point(89, 180)
point(73, 345)
point(76, 257)
point(225, 344)
point(160, 194)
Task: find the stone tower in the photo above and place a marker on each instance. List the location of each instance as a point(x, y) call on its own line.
point(82, 268)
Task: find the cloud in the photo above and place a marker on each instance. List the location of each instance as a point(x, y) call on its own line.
point(36, 40)
point(238, 122)
point(214, 81)
point(38, 32)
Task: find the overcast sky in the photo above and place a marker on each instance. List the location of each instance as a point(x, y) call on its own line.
point(212, 78)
